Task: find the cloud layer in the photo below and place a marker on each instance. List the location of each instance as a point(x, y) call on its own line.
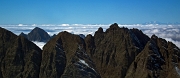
point(168, 32)
point(39, 44)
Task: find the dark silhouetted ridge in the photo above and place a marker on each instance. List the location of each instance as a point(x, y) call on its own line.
point(24, 35)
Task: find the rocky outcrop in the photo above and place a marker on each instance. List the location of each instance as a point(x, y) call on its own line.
point(65, 56)
point(114, 50)
point(19, 58)
point(23, 35)
point(159, 59)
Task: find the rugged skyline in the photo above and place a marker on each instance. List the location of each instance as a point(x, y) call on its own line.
point(118, 52)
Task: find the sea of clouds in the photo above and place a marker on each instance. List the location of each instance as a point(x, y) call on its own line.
point(168, 32)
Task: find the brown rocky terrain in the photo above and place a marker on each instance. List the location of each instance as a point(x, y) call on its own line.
point(19, 58)
point(117, 52)
point(65, 56)
point(114, 50)
point(159, 59)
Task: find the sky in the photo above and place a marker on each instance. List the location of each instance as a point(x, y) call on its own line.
point(88, 11)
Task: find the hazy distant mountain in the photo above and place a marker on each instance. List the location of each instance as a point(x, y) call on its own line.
point(115, 53)
point(37, 34)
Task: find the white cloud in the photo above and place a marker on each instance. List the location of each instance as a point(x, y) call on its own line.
point(177, 43)
point(168, 32)
point(39, 44)
point(64, 25)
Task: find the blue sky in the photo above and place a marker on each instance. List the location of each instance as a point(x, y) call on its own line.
point(88, 11)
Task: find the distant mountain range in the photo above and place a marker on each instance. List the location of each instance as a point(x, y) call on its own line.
point(115, 53)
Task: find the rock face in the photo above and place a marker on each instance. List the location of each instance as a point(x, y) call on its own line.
point(37, 34)
point(19, 58)
point(24, 35)
point(115, 53)
point(65, 56)
point(114, 50)
point(159, 59)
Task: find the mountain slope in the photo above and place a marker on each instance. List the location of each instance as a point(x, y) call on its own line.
point(19, 58)
point(24, 35)
point(65, 56)
point(159, 59)
point(115, 49)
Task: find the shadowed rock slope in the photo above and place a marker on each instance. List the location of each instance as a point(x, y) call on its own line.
point(159, 59)
point(114, 50)
point(65, 56)
point(19, 58)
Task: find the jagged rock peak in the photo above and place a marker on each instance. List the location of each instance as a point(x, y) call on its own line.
point(154, 37)
point(114, 26)
point(100, 30)
point(114, 49)
point(22, 34)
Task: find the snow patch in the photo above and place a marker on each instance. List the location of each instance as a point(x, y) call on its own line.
point(177, 70)
point(83, 62)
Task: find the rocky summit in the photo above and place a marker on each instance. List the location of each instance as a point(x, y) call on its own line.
point(117, 52)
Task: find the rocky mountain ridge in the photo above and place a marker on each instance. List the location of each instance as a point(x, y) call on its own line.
point(116, 52)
